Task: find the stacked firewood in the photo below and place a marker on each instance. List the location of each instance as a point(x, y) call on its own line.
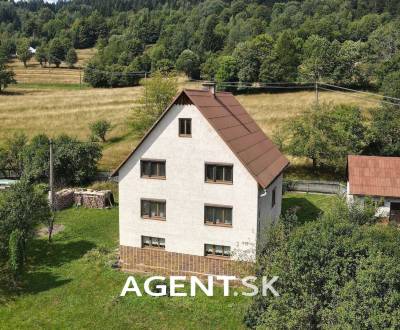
point(63, 199)
point(94, 199)
point(88, 198)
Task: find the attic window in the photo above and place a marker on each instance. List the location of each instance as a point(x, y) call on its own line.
point(185, 127)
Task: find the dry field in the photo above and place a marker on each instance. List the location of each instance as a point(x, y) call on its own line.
point(50, 101)
point(35, 74)
point(56, 111)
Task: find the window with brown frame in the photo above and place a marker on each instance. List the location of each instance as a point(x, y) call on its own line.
point(216, 173)
point(185, 127)
point(211, 250)
point(154, 169)
point(217, 215)
point(153, 242)
point(153, 209)
point(273, 199)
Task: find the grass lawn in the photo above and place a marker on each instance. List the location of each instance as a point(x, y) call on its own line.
point(309, 206)
point(70, 284)
point(71, 287)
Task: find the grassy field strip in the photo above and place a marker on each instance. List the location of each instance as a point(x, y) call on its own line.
point(71, 110)
point(35, 74)
point(52, 101)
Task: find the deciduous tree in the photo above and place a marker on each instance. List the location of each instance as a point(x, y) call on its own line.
point(159, 91)
point(23, 51)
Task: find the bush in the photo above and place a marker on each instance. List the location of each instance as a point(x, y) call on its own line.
point(75, 162)
point(100, 128)
point(331, 271)
point(22, 208)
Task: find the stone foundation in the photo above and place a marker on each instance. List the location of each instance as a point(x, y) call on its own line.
point(160, 262)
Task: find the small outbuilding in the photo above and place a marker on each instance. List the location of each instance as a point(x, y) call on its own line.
point(378, 178)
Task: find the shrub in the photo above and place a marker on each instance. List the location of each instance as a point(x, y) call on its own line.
point(331, 271)
point(100, 128)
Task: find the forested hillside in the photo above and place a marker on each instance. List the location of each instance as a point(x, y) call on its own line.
point(348, 42)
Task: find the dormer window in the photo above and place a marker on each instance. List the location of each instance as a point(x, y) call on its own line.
point(185, 127)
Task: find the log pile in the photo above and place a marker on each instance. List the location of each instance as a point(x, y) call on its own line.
point(63, 199)
point(94, 199)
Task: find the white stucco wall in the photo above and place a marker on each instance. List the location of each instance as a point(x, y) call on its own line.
point(185, 191)
point(382, 211)
point(268, 214)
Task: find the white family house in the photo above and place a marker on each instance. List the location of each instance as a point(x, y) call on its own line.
point(199, 189)
point(378, 178)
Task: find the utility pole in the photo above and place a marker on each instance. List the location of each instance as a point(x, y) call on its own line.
point(316, 93)
point(80, 77)
point(51, 184)
point(145, 87)
point(51, 176)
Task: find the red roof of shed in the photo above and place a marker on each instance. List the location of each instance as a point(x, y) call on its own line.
point(374, 176)
point(239, 131)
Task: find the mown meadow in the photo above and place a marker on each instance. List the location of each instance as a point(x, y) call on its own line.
point(52, 101)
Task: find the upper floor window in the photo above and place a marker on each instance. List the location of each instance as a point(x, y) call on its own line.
point(152, 169)
point(218, 215)
point(185, 127)
point(217, 250)
point(219, 173)
point(273, 199)
point(153, 209)
point(153, 242)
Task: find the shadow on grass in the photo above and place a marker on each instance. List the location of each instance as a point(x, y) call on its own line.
point(305, 210)
point(10, 93)
point(44, 254)
point(55, 254)
point(36, 282)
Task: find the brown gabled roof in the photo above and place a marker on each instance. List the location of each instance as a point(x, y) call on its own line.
point(374, 176)
point(240, 132)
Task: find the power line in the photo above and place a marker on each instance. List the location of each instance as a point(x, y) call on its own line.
point(358, 97)
point(361, 92)
point(263, 85)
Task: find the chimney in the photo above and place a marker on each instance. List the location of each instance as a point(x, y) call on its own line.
point(210, 86)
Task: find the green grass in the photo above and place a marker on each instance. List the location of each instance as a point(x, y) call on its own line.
point(70, 284)
point(308, 206)
point(69, 287)
point(56, 86)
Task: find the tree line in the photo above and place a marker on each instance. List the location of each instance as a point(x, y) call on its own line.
point(348, 42)
point(326, 134)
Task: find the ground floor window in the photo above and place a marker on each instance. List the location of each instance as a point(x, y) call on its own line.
point(217, 250)
point(153, 242)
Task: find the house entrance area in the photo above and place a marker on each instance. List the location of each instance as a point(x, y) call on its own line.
point(395, 212)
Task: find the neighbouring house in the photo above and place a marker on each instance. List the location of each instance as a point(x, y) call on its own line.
point(199, 189)
point(378, 178)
